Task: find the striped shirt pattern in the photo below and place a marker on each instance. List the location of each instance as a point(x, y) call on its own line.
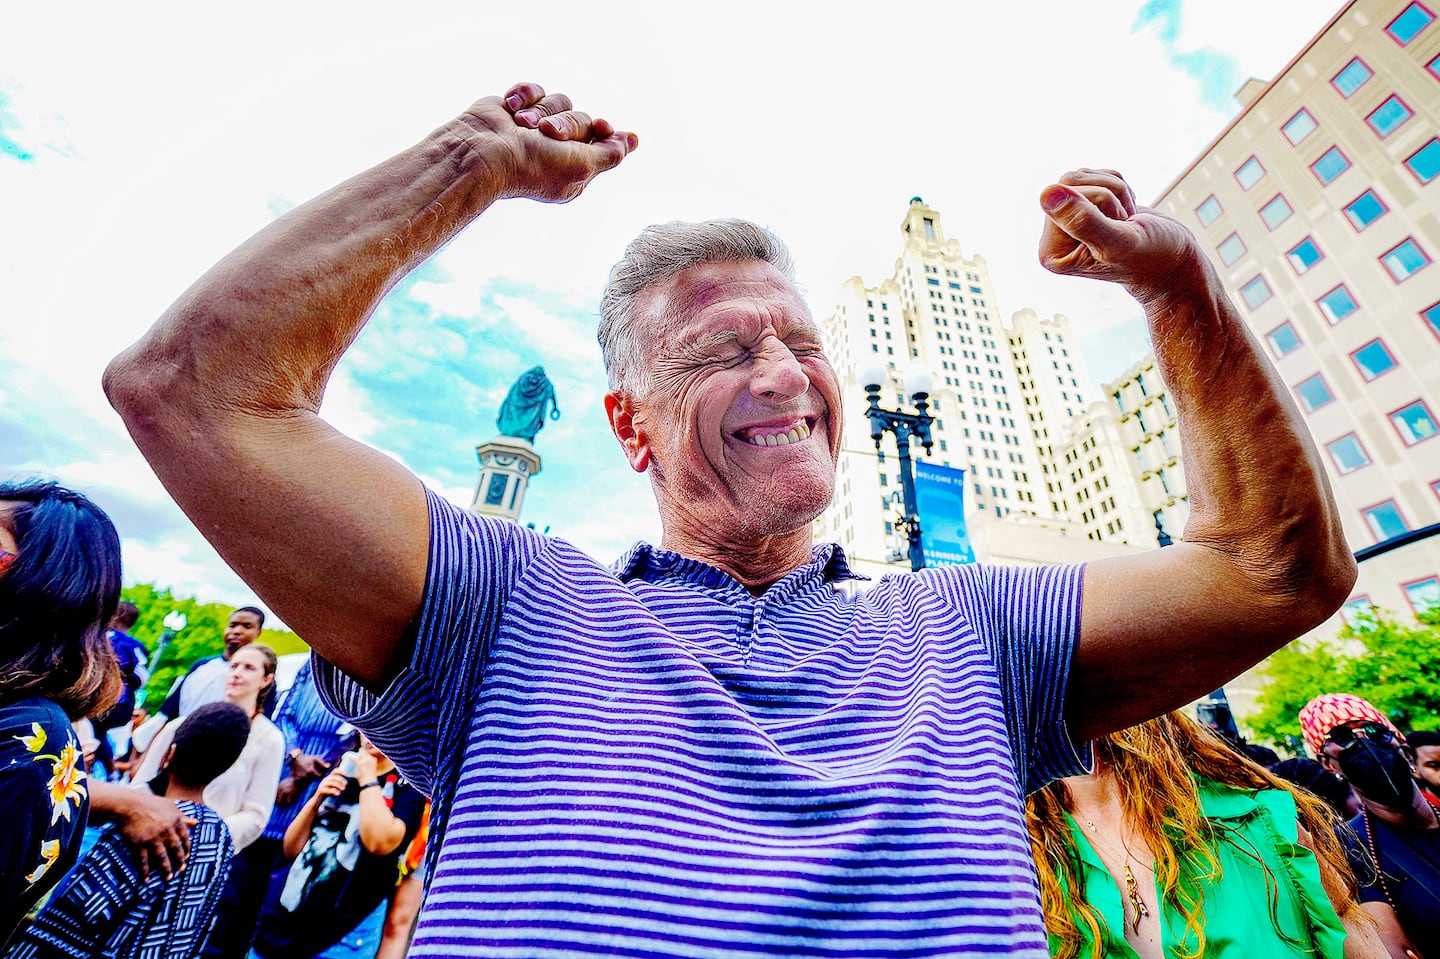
point(309, 726)
point(105, 908)
point(648, 761)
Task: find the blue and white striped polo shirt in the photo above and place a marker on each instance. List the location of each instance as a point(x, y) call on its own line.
point(649, 761)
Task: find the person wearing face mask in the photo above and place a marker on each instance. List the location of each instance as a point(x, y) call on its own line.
point(1395, 840)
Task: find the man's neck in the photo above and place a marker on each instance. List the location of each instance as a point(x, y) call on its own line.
point(1420, 814)
point(756, 565)
point(179, 792)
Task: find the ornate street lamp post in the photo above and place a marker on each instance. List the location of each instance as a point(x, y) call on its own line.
point(173, 622)
point(905, 426)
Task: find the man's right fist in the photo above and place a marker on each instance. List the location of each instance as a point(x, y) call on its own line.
point(553, 150)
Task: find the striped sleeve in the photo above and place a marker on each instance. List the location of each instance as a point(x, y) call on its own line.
point(1029, 619)
point(421, 719)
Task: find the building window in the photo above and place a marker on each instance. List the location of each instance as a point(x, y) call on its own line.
point(1364, 210)
point(1276, 212)
point(1385, 521)
point(1249, 173)
point(1423, 594)
point(1411, 21)
point(1356, 608)
point(1313, 393)
point(1331, 164)
point(1434, 67)
point(1405, 260)
point(1414, 423)
point(1425, 162)
point(1304, 255)
point(1256, 292)
point(1337, 304)
point(1231, 249)
point(1373, 359)
point(1389, 116)
point(1352, 78)
point(1348, 454)
point(1431, 316)
point(1298, 127)
point(1283, 340)
point(1209, 211)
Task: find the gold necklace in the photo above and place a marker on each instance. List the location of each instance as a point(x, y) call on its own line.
point(1132, 888)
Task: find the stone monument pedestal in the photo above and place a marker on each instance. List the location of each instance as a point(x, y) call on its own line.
point(506, 465)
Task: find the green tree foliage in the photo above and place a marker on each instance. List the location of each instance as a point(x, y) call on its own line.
point(1393, 664)
point(202, 635)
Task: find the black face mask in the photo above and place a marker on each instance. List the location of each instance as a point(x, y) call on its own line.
point(1380, 772)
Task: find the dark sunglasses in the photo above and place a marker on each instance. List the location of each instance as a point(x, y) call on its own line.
point(1343, 736)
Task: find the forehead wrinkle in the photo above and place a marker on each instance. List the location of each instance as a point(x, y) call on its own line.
point(678, 300)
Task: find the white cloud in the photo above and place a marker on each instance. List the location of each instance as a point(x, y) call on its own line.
point(348, 408)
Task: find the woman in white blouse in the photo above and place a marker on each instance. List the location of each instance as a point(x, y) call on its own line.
point(244, 794)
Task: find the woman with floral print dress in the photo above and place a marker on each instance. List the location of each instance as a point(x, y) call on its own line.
point(59, 583)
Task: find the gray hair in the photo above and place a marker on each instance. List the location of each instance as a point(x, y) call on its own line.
point(661, 251)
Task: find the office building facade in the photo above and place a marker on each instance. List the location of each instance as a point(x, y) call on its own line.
point(1320, 206)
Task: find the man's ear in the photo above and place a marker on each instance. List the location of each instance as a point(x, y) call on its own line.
point(620, 410)
point(169, 755)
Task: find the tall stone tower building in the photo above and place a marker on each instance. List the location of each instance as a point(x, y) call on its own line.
point(1002, 397)
point(1320, 205)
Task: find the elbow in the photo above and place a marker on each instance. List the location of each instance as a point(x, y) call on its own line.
point(1311, 577)
point(136, 388)
point(1329, 572)
point(381, 845)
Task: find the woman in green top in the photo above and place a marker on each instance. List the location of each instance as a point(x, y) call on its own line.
point(1179, 847)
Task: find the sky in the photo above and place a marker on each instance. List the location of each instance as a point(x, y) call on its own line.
point(139, 144)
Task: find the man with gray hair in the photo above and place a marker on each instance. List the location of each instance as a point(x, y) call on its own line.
point(707, 749)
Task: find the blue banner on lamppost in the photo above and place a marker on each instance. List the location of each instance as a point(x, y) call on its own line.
point(940, 495)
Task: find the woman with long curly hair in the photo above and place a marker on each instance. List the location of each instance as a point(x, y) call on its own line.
point(1178, 847)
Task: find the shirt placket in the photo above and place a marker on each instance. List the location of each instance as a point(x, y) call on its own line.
point(751, 636)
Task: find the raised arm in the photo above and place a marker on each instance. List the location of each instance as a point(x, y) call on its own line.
point(1263, 558)
point(221, 394)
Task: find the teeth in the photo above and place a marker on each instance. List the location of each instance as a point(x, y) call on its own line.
point(782, 439)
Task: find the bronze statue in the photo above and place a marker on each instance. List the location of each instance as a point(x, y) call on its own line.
point(527, 404)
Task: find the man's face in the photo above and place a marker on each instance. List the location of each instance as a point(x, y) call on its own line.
point(1342, 734)
point(740, 427)
point(1369, 757)
point(242, 630)
point(1427, 764)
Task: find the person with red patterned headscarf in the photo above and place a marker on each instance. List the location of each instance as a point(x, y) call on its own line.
point(1394, 843)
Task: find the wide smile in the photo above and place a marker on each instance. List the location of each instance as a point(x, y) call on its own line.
point(775, 434)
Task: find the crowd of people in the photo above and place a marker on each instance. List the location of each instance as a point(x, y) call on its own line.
point(268, 839)
point(718, 746)
point(300, 829)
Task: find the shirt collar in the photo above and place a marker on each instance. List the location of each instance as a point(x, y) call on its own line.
point(826, 559)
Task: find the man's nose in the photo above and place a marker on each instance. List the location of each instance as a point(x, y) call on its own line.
point(778, 374)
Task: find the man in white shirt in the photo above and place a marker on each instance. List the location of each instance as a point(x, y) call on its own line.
point(205, 682)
